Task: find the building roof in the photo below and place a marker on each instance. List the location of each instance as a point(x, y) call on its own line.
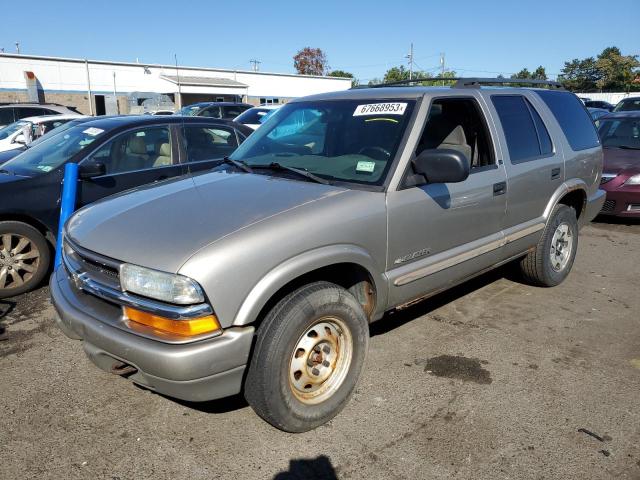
point(203, 81)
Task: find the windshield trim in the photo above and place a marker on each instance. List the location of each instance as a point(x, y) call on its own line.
point(393, 163)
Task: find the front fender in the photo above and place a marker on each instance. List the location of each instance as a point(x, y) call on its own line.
point(307, 262)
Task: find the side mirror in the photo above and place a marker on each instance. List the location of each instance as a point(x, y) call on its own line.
point(19, 139)
point(91, 170)
point(442, 165)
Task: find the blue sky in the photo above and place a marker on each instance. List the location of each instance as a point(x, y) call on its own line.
point(478, 37)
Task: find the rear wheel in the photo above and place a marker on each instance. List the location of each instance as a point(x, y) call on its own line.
point(309, 352)
point(551, 261)
point(24, 258)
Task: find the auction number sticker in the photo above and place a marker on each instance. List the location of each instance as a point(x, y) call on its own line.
point(93, 131)
point(380, 109)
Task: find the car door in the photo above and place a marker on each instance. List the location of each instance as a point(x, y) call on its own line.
point(535, 163)
point(136, 157)
point(440, 233)
point(205, 145)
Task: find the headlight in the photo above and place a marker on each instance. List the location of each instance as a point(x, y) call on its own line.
point(635, 180)
point(159, 285)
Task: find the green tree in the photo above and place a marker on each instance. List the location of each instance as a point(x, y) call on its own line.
point(524, 73)
point(396, 74)
point(580, 75)
point(310, 61)
point(539, 73)
point(617, 71)
point(343, 74)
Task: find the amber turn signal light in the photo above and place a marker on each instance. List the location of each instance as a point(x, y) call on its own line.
point(186, 328)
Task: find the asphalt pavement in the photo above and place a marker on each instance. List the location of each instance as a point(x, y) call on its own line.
point(492, 380)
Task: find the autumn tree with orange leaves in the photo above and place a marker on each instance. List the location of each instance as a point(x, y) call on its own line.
point(310, 61)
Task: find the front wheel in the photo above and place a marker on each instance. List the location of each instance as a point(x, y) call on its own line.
point(24, 258)
point(551, 261)
point(308, 356)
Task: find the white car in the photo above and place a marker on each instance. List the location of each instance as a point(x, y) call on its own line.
point(254, 117)
point(26, 130)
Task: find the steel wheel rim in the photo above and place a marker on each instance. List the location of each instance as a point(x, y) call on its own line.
point(19, 260)
point(320, 360)
point(561, 247)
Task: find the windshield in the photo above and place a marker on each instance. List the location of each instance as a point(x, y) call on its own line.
point(11, 129)
point(620, 133)
point(254, 116)
point(628, 105)
point(52, 133)
point(48, 155)
point(343, 140)
point(190, 110)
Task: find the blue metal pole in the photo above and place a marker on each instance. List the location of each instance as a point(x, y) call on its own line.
point(67, 204)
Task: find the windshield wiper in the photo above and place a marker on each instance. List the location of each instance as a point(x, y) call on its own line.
point(299, 171)
point(239, 165)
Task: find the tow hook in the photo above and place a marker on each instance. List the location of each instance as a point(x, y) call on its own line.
point(122, 369)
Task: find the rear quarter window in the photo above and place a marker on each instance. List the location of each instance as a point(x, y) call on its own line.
point(572, 117)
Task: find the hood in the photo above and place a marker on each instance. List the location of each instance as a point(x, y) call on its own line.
point(161, 226)
point(617, 160)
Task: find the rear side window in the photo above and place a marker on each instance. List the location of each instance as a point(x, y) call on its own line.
point(527, 137)
point(6, 116)
point(572, 117)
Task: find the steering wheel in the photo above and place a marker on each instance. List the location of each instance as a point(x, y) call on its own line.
point(377, 153)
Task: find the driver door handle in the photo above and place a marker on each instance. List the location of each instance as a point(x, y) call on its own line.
point(499, 188)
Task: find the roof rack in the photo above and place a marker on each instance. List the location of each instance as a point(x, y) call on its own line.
point(470, 82)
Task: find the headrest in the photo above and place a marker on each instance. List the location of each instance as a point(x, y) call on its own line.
point(164, 150)
point(456, 137)
point(137, 146)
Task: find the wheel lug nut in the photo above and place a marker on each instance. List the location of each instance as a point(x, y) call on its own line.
point(316, 349)
point(325, 363)
point(326, 349)
point(315, 371)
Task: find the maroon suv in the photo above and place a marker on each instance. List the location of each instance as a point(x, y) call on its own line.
point(620, 136)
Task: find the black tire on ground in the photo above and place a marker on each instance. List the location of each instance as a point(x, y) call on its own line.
point(537, 267)
point(270, 386)
point(11, 232)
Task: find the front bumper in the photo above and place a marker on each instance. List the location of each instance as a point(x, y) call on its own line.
point(622, 203)
point(197, 371)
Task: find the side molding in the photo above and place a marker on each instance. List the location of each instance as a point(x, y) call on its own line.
point(305, 263)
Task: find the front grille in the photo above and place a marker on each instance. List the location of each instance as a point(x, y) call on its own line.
point(609, 206)
point(607, 177)
point(98, 268)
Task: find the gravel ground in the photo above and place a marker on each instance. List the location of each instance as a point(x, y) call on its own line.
point(492, 380)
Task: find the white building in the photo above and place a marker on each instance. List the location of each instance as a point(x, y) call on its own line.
point(90, 85)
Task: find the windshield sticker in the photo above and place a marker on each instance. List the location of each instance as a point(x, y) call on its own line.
point(45, 168)
point(380, 108)
point(364, 166)
point(93, 131)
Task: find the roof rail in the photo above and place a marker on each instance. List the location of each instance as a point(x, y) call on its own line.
point(469, 82)
point(34, 103)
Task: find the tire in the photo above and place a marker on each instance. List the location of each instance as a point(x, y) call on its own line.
point(560, 241)
point(298, 381)
point(24, 258)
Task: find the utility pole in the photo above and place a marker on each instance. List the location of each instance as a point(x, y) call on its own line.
point(86, 64)
point(179, 102)
point(115, 97)
point(442, 67)
point(256, 64)
point(17, 47)
point(410, 57)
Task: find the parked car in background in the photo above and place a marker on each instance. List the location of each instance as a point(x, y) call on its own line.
point(620, 137)
point(628, 105)
point(224, 110)
point(9, 154)
point(597, 113)
point(256, 116)
point(162, 112)
point(12, 112)
point(599, 104)
point(114, 154)
point(12, 136)
point(264, 275)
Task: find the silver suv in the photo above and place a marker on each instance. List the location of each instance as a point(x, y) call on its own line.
point(264, 274)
